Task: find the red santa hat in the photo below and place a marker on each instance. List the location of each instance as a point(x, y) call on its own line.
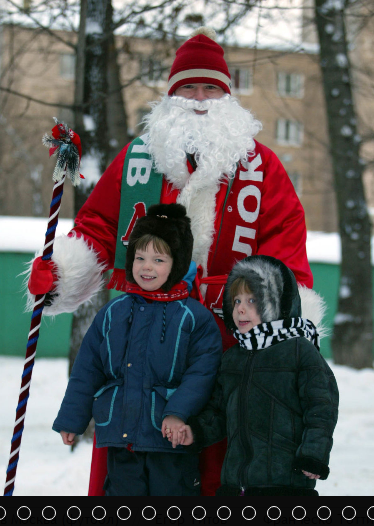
point(200, 59)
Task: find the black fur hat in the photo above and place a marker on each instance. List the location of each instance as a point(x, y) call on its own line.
point(273, 285)
point(171, 224)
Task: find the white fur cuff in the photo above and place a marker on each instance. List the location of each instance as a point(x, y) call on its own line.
point(313, 308)
point(79, 275)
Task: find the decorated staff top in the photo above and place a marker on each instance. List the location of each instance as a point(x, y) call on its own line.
point(66, 145)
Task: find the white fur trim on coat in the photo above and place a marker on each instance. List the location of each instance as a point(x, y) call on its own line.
point(200, 203)
point(79, 275)
point(313, 308)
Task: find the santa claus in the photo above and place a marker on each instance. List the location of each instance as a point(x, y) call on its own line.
point(198, 150)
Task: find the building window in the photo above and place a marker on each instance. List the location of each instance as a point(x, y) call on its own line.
point(290, 85)
point(289, 132)
point(67, 67)
point(241, 80)
point(296, 181)
point(152, 71)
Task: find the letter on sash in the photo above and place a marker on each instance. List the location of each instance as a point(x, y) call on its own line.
point(240, 232)
point(138, 171)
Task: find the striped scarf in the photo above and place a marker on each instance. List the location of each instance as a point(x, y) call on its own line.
point(266, 334)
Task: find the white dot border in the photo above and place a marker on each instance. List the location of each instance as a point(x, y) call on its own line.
point(27, 518)
point(247, 518)
point(149, 519)
point(74, 519)
point(321, 518)
point(277, 518)
point(121, 518)
point(46, 518)
point(198, 518)
point(222, 518)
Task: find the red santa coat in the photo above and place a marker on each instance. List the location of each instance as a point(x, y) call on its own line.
point(263, 196)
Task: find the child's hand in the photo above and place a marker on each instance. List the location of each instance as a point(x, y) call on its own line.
point(310, 475)
point(170, 427)
point(67, 438)
point(185, 435)
point(176, 437)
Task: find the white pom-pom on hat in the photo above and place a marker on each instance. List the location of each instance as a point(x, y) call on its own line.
point(203, 30)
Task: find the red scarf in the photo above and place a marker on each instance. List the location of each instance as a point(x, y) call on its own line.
point(177, 292)
point(208, 280)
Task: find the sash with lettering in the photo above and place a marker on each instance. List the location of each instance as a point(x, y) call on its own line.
point(236, 226)
point(140, 188)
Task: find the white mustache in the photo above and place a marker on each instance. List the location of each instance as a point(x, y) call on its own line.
point(192, 104)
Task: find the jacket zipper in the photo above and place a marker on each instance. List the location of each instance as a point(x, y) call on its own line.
point(125, 373)
point(243, 404)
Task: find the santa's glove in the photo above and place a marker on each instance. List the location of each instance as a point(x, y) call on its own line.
point(43, 276)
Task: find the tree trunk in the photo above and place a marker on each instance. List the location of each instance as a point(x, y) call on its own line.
point(352, 340)
point(91, 92)
point(91, 89)
point(116, 113)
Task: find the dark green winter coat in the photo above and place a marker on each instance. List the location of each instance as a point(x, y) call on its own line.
point(278, 407)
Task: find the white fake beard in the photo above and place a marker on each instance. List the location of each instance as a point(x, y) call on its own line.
point(219, 139)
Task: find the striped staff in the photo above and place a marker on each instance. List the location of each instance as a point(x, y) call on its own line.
point(65, 144)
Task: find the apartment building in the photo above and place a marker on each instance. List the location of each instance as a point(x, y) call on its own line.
point(283, 89)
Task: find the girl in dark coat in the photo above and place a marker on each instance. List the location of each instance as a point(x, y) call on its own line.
point(275, 398)
point(147, 363)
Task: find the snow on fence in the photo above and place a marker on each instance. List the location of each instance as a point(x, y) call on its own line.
point(26, 234)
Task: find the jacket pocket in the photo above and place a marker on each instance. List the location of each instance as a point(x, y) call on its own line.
point(160, 396)
point(104, 399)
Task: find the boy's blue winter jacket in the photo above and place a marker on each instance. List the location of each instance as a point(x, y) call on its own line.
point(129, 380)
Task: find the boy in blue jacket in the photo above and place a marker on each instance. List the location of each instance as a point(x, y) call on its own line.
point(147, 364)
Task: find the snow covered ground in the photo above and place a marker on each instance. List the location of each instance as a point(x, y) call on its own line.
point(48, 468)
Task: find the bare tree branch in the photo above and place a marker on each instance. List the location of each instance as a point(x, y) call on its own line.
point(41, 26)
point(38, 101)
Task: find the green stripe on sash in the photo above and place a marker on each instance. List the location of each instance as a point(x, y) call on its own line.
point(140, 188)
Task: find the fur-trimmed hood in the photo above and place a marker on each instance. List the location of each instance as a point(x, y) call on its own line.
point(277, 293)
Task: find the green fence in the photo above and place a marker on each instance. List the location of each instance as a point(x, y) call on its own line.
point(15, 324)
point(55, 332)
point(326, 282)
